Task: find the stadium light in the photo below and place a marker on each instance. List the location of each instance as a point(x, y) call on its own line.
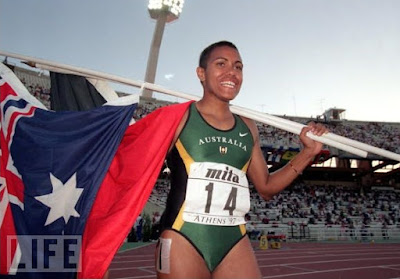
point(173, 8)
point(164, 11)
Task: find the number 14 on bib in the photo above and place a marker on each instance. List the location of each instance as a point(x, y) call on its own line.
point(217, 194)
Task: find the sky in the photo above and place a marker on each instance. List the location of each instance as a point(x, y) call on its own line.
point(301, 57)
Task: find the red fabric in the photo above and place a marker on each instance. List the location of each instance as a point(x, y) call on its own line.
point(126, 187)
point(8, 247)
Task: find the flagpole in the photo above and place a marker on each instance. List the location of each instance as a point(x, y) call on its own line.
point(352, 146)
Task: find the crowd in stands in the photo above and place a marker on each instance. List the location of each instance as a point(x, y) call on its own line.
point(144, 109)
point(382, 135)
point(330, 205)
point(39, 92)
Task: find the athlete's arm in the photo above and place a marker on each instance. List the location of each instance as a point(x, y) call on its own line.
point(269, 184)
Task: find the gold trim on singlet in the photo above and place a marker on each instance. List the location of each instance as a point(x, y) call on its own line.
point(186, 158)
point(242, 229)
point(245, 167)
point(179, 219)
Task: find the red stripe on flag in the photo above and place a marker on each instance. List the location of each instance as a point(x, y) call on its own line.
point(7, 247)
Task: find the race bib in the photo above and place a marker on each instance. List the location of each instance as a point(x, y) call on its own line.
point(216, 194)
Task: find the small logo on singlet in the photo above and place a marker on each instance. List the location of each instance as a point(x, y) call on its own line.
point(223, 150)
point(243, 134)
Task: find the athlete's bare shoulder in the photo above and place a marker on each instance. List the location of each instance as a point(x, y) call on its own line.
point(252, 126)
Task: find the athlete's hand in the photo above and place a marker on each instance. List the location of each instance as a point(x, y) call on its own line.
point(311, 146)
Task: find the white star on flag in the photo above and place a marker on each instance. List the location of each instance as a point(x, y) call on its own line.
point(62, 200)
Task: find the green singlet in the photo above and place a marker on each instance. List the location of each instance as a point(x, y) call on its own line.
point(222, 158)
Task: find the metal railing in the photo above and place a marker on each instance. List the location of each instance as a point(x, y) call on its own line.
point(298, 232)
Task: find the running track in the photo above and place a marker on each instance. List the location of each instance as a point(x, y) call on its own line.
point(293, 260)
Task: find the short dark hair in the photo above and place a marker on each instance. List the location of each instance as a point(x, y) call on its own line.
point(205, 54)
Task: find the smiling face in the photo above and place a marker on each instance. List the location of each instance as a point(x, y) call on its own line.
point(223, 75)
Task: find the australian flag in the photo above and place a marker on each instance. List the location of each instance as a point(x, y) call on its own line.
point(71, 180)
point(52, 165)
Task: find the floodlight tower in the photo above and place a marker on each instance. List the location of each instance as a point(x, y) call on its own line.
point(163, 11)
